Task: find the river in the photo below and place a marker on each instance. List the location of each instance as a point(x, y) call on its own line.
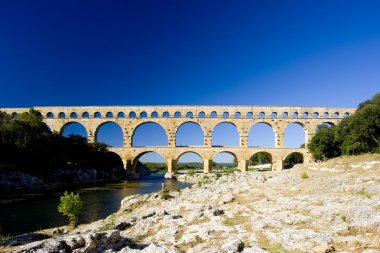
point(27, 212)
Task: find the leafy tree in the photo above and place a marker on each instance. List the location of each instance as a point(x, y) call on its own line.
point(359, 133)
point(71, 205)
point(323, 145)
point(26, 144)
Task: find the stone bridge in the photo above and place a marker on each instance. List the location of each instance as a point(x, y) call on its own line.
point(129, 118)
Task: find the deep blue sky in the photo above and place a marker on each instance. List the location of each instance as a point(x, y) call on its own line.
point(188, 52)
point(309, 53)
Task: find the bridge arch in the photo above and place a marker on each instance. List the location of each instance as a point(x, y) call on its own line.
point(148, 156)
point(73, 127)
point(110, 133)
point(190, 160)
point(225, 129)
point(292, 159)
point(195, 138)
point(166, 114)
point(261, 134)
point(225, 159)
point(190, 152)
point(143, 114)
point(295, 135)
point(189, 115)
point(141, 154)
point(149, 133)
point(261, 160)
point(327, 123)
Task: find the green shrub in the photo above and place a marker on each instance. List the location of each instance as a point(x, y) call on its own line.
point(198, 239)
point(357, 134)
point(191, 173)
point(304, 175)
point(109, 224)
point(227, 223)
point(364, 194)
point(71, 205)
point(165, 194)
point(229, 171)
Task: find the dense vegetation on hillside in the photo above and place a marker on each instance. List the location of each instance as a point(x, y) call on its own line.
point(26, 144)
point(357, 134)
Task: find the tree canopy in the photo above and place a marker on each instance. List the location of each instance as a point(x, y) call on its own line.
point(26, 144)
point(359, 133)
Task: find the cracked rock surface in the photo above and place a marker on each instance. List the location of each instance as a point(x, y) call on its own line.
point(337, 209)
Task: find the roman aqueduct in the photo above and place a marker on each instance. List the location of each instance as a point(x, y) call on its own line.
point(129, 118)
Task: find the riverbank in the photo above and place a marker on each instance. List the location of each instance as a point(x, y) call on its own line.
point(18, 180)
point(15, 180)
point(319, 207)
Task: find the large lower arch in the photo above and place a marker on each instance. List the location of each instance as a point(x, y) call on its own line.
point(73, 128)
point(149, 160)
point(295, 135)
point(110, 133)
point(261, 135)
point(260, 161)
point(225, 134)
point(190, 161)
point(189, 134)
point(149, 134)
point(224, 160)
point(293, 159)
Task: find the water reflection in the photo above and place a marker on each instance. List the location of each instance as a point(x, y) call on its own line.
point(30, 212)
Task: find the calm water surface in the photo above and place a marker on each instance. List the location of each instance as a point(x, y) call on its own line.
point(24, 213)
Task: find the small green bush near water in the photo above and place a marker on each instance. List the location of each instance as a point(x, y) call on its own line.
point(165, 194)
point(304, 175)
point(71, 205)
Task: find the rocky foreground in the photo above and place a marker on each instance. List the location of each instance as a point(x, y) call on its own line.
point(319, 207)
